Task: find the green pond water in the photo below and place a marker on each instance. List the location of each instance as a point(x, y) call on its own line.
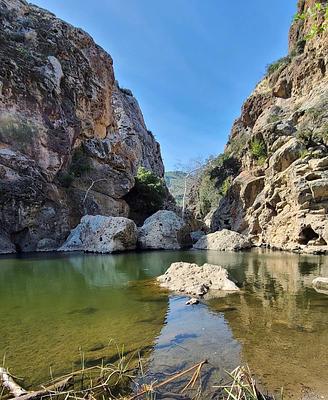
point(54, 307)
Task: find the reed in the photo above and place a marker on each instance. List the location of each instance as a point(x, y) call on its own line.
point(121, 381)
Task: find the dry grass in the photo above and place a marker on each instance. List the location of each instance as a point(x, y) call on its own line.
point(121, 381)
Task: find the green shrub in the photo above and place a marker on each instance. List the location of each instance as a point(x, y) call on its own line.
point(65, 179)
point(258, 150)
point(216, 181)
point(271, 68)
point(319, 15)
point(226, 185)
point(236, 146)
point(208, 194)
point(147, 196)
point(18, 132)
point(273, 118)
point(311, 137)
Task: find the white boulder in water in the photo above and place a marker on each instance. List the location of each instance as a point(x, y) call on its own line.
point(196, 280)
point(320, 284)
point(164, 230)
point(223, 240)
point(101, 234)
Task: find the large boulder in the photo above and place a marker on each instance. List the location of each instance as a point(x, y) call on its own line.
point(100, 234)
point(196, 280)
point(224, 240)
point(164, 230)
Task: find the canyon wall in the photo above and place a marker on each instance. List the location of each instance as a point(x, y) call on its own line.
point(280, 196)
point(71, 140)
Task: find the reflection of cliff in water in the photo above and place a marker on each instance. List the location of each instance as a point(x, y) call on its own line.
point(50, 312)
point(281, 322)
point(118, 269)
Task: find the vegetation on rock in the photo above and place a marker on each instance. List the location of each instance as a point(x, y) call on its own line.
point(147, 196)
point(258, 150)
point(215, 181)
point(276, 65)
point(318, 13)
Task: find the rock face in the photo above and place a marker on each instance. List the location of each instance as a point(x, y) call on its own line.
point(164, 230)
point(280, 197)
point(196, 280)
point(224, 240)
point(99, 234)
point(5, 245)
point(71, 139)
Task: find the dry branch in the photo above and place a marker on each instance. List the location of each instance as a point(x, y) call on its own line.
point(8, 383)
point(18, 392)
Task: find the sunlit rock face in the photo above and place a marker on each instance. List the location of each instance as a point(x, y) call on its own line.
point(99, 234)
point(65, 124)
point(280, 198)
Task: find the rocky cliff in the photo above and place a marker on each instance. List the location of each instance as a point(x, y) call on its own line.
point(280, 197)
point(71, 139)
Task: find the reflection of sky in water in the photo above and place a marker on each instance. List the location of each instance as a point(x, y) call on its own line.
point(52, 305)
point(192, 334)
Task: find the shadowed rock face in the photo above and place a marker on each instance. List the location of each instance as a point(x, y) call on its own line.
point(65, 124)
point(280, 198)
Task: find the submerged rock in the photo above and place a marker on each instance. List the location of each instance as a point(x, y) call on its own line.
point(196, 280)
point(224, 240)
point(191, 302)
point(164, 230)
point(320, 284)
point(100, 234)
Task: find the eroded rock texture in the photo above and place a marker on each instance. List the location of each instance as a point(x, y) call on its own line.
point(197, 280)
point(71, 139)
point(99, 234)
point(164, 230)
point(281, 138)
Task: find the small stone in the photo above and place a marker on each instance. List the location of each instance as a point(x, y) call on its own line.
point(192, 302)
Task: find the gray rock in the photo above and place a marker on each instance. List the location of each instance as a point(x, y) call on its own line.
point(223, 240)
point(192, 301)
point(196, 235)
point(102, 234)
point(196, 280)
point(164, 230)
point(6, 246)
point(46, 244)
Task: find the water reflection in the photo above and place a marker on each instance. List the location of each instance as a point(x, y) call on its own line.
point(281, 322)
point(277, 324)
point(54, 309)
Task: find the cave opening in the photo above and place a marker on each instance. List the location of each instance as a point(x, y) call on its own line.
point(307, 234)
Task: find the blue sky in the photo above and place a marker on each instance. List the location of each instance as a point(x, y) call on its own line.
point(190, 63)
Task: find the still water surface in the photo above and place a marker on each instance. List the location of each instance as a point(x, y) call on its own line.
point(55, 307)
